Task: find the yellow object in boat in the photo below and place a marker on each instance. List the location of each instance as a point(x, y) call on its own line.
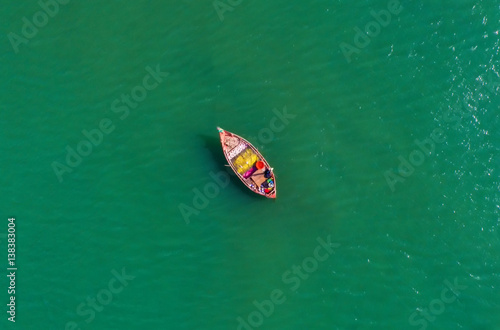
point(245, 160)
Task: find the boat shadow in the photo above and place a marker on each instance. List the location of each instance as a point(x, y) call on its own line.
point(213, 145)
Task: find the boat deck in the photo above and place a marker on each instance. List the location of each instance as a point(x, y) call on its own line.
point(243, 159)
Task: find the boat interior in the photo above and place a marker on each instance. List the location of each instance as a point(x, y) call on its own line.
point(249, 166)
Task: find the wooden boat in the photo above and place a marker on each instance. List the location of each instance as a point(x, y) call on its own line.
point(248, 164)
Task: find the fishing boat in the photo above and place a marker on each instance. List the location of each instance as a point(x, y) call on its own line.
point(248, 164)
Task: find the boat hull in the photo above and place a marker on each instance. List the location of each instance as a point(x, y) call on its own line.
point(248, 164)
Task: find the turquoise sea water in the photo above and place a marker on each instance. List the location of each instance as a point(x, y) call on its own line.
point(385, 148)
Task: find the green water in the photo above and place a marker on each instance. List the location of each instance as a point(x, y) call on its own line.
point(380, 245)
